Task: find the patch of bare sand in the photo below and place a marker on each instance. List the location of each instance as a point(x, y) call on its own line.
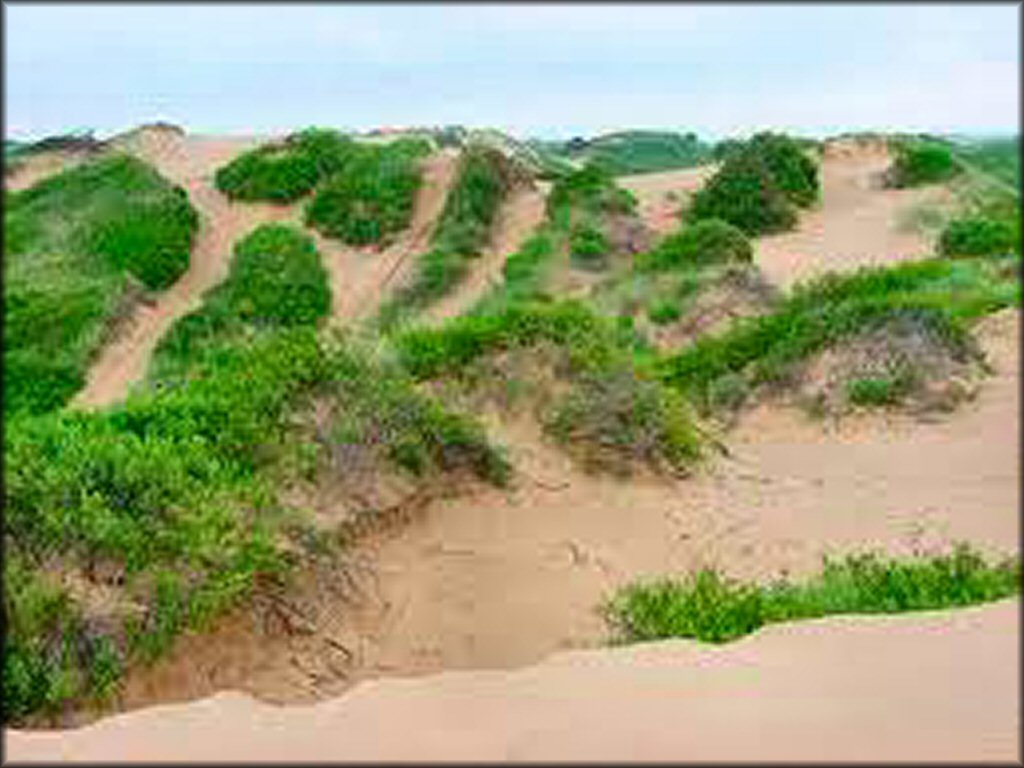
point(927, 687)
point(518, 217)
point(857, 223)
point(493, 578)
point(661, 195)
point(361, 277)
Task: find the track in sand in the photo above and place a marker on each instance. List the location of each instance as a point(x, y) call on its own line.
point(358, 277)
point(855, 223)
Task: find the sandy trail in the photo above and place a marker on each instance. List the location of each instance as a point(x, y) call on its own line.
point(661, 195)
point(361, 277)
point(518, 217)
point(856, 224)
point(358, 277)
point(191, 162)
point(499, 579)
point(930, 687)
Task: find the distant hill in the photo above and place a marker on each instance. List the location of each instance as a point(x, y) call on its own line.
point(626, 152)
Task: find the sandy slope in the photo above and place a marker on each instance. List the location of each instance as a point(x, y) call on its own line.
point(924, 687)
point(358, 277)
point(855, 223)
point(497, 579)
point(660, 195)
point(191, 162)
point(518, 217)
point(34, 168)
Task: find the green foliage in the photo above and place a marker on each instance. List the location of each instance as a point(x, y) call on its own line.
point(712, 608)
point(921, 162)
point(75, 245)
point(482, 181)
point(758, 186)
point(937, 293)
point(703, 242)
point(879, 390)
point(588, 247)
point(592, 191)
point(628, 152)
point(285, 171)
point(664, 312)
point(372, 198)
point(276, 281)
point(978, 236)
point(997, 157)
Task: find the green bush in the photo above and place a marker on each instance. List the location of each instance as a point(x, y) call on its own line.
point(372, 198)
point(276, 281)
point(937, 293)
point(285, 171)
point(79, 247)
point(882, 390)
point(977, 236)
point(921, 162)
point(588, 247)
point(758, 186)
point(482, 181)
point(712, 608)
point(703, 242)
point(664, 312)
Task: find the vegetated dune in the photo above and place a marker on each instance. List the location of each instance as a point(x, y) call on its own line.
point(34, 168)
point(191, 162)
point(361, 277)
point(930, 686)
point(497, 579)
point(856, 222)
point(358, 277)
point(517, 218)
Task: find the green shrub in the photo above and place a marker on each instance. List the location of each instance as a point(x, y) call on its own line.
point(79, 247)
point(937, 293)
point(285, 171)
point(664, 312)
point(588, 247)
point(371, 199)
point(977, 236)
point(276, 281)
point(758, 186)
point(482, 180)
point(921, 162)
point(712, 608)
point(703, 242)
point(883, 390)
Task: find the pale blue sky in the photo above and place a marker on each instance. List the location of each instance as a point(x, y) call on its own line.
point(534, 69)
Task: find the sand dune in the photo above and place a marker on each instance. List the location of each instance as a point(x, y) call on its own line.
point(924, 687)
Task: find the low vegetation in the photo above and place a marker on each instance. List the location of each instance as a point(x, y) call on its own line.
point(276, 281)
point(703, 242)
point(372, 198)
point(712, 608)
point(759, 186)
point(287, 170)
point(920, 162)
point(628, 152)
point(483, 180)
point(80, 247)
point(936, 294)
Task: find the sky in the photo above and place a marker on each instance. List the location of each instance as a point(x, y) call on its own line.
point(531, 69)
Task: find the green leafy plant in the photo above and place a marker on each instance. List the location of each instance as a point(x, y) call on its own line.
point(703, 242)
point(920, 162)
point(80, 247)
point(978, 236)
point(712, 608)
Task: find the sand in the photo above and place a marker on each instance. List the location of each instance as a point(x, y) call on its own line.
point(359, 277)
point(855, 223)
point(516, 220)
point(920, 687)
